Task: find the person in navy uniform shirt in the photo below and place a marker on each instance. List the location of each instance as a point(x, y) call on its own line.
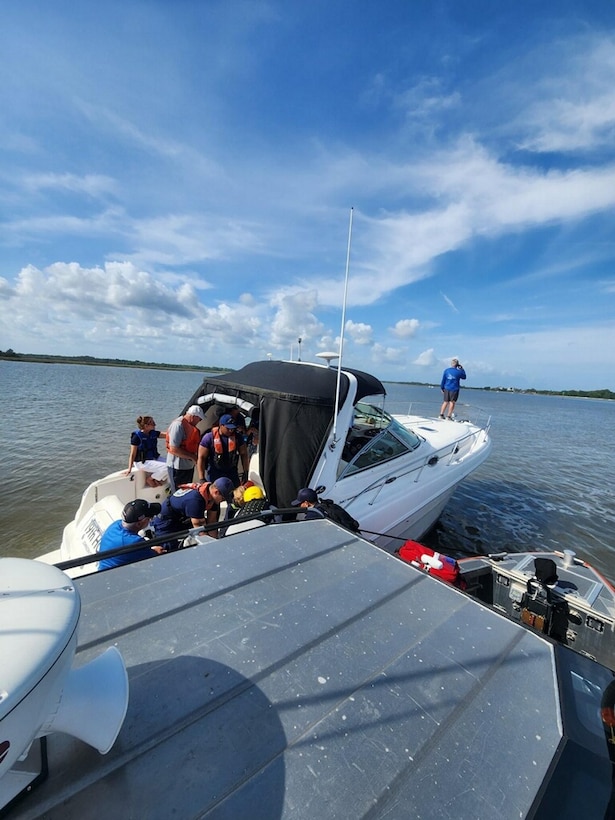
point(192, 506)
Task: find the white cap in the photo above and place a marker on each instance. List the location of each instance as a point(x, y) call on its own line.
point(195, 410)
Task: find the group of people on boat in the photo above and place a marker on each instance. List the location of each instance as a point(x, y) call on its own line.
point(216, 455)
point(219, 451)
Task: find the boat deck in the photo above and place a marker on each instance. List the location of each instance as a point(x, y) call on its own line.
point(297, 671)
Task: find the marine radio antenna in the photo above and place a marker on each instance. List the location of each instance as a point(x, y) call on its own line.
point(341, 345)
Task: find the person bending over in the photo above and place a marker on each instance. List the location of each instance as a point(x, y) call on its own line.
point(192, 505)
point(125, 531)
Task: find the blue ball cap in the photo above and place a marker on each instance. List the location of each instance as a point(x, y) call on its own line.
point(306, 494)
point(228, 421)
point(226, 487)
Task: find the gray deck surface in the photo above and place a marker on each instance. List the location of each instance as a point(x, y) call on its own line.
point(297, 671)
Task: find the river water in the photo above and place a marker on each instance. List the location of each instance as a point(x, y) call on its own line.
point(548, 482)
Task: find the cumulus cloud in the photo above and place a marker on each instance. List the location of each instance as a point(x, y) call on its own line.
point(119, 304)
point(383, 353)
point(293, 316)
point(406, 328)
point(427, 358)
point(361, 334)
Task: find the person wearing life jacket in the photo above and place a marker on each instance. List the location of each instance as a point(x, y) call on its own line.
point(183, 438)
point(144, 442)
point(192, 505)
point(220, 452)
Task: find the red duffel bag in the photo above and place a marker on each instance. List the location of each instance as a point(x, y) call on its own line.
point(443, 567)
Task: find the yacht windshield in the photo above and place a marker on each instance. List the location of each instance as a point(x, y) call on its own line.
point(375, 437)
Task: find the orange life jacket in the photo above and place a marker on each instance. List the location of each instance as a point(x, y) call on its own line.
point(191, 439)
point(210, 504)
point(230, 456)
point(218, 446)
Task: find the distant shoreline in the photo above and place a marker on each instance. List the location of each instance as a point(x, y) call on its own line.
point(11, 356)
point(95, 362)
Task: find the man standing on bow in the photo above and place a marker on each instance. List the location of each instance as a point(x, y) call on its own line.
point(450, 388)
point(220, 451)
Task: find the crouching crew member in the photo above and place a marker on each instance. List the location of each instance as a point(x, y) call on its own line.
point(192, 506)
point(135, 516)
point(307, 499)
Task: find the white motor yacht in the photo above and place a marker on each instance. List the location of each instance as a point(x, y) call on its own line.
point(327, 428)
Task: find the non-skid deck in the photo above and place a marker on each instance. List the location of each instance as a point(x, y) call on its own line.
point(296, 671)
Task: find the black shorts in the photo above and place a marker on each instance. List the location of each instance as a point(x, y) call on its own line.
point(451, 395)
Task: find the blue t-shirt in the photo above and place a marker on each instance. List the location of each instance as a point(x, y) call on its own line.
point(115, 536)
point(451, 377)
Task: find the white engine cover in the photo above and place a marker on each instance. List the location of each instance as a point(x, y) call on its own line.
point(39, 613)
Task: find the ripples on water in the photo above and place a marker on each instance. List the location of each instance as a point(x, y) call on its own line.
point(548, 482)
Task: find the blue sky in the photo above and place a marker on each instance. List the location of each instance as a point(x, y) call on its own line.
point(176, 181)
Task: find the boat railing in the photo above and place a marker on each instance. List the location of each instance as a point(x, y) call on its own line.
point(195, 536)
point(427, 411)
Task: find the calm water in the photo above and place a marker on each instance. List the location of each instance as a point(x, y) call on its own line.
point(548, 482)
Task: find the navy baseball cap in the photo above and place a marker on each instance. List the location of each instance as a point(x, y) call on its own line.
point(228, 421)
point(306, 494)
point(225, 486)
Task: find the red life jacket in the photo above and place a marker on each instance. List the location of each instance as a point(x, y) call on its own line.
point(414, 553)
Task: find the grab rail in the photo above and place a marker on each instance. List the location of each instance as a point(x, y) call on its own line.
point(194, 532)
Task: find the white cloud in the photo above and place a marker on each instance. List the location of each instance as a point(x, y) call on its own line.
point(449, 302)
point(294, 317)
point(427, 358)
point(93, 185)
point(384, 354)
point(360, 333)
point(576, 106)
point(406, 328)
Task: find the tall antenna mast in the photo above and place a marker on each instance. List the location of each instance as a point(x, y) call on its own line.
point(341, 347)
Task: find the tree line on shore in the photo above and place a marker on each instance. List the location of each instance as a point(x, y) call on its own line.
point(93, 360)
